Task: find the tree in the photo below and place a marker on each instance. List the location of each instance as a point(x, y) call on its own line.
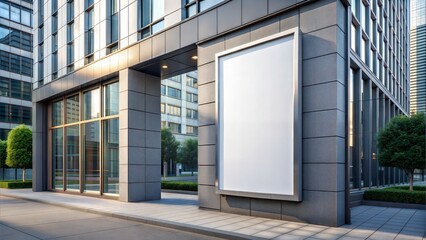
point(402, 144)
point(188, 155)
point(3, 153)
point(19, 148)
point(169, 148)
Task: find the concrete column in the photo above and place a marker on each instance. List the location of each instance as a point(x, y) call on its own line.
point(358, 88)
point(140, 137)
point(367, 132)
point(374, 131)
point(39, 171)
point(382, 123)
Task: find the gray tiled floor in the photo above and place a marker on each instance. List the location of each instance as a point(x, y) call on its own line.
point(181, 210)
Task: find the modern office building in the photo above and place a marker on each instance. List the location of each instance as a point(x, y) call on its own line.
point(179, 111)
point(291, 95)
point(16, 64)
point(418, 56)
point(179, 105)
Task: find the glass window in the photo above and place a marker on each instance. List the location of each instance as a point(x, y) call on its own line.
point(26, 115)
point(26, 17)
point(70, 54)
point(110, 99)
point(191, 130)
point(70, 10)
point(4, 112)
point(54, 24)
point(27, 66)
point(15, 63)
point(175, 127)
point(4, 35)
point(15, 114)
point(91, 104)
point(70, 32)
point(15, 38)
point(4, 86)
point(27, 41)
point(363, 16)
point(173, 92)
point(205, 4)
point(163, 90)
point(4, 60)
point(157, 9)
point(91, 156)
point(89, 3)
point(363, 49)
point(4, 10)
point(57, 113)
point(146, 15)
point(111, 156)
point(354, 4)
point(90, 34)
point(190, 81)
point(15, 14)
point(353, 37)
point(15, 88)
point(190, 113)
point(73, 109)
point(192, 97)
point(73, 158)
point(163, 108)
point(157, 27)
point(173, 110)
point(26, 91)
point(57, 158)
point(191, 10)
point(114, 27)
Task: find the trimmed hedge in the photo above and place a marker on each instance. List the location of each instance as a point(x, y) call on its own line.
point(185, 186)
point(397, 194)
point(14, 184)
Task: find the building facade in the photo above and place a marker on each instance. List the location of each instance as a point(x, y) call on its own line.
point(16, 64)
point(418, 56)
point(179, 105)
point(97, 98)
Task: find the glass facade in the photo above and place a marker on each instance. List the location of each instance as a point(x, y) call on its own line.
point(95, 166)
point(376, 86)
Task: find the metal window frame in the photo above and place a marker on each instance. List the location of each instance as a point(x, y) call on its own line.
point(81, 124)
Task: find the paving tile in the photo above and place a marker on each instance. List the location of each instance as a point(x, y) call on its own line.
point(267, 234)
point(290, 237)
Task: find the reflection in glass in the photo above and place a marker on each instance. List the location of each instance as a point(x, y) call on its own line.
point(73, 108)
point(110, 149)
point(110, 99)
point(57, 113)
point(205, 4)
point(92, 104)
point(57, 159)
point(91, 156)
point(157, 9)
point(72, 158)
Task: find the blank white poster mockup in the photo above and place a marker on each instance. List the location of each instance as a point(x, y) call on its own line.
point(256, 106)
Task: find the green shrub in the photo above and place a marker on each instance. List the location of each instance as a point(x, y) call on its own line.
point(14, 184)
point(186, 186)
point(397, 194)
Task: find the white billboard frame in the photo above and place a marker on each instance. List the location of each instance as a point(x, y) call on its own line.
point(295, 192)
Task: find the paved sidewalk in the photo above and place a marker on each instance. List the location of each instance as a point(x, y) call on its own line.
point(181, 212)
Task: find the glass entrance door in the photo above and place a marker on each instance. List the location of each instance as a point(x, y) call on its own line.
point(91, 157)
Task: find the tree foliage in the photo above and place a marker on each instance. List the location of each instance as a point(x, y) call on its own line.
point(19, 148)
point(402, 144)
point(169, 146)
point(188, 155)
point(3, 153)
